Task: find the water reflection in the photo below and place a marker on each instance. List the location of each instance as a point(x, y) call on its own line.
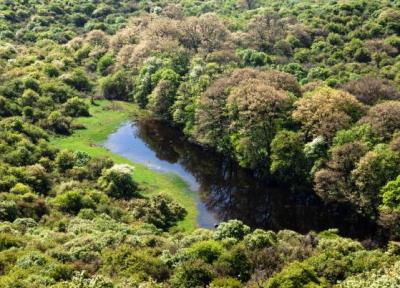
point(227, 191)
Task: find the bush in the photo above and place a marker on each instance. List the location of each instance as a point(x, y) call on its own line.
point(260, 239)
point(231, 229)
point(254, 58)
point(65, 160)
point(8, 210)
point(51, 70)
point(57, 91)
point(192, 274)
point(73, 201)
point(128, 261)
point(96, 166)
point(208, 251)
point(116, 86)
point(117, 182)
point(81, 158)
point(76, 107)
point(226, 283)
point(8, 241)
point(104, 64)
point(21, 189)
point(59, 123)
point(78, 80)
point(293, 276)
point(159, 210)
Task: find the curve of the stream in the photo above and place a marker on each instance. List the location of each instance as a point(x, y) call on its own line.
point(225, 191)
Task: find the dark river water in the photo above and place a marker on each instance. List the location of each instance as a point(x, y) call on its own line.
point(226, 191)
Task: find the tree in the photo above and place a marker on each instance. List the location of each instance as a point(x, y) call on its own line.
point(326, 111)
point(288, 161)
point(266, 30)
point(251, 57)
point(330, 185)
point(372, 172)
point(240, 114)
point(256, 111)
point(211, 116)
point(281, 81)
point(345, 157)
point(384, 118)
point(370, 90)
point(334, 182)
point(162, 99)
point(205, 33)
point(143, 82)
point(391, 195)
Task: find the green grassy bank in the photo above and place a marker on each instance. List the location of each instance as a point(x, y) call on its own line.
point(106, 118)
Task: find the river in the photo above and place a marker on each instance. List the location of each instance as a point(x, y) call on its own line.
point(225, 191)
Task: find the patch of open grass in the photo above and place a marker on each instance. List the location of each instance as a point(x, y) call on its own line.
point(105, 118)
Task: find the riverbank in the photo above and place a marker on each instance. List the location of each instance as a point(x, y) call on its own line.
point(105, 118)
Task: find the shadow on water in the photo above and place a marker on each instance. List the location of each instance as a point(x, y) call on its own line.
point(226, 191)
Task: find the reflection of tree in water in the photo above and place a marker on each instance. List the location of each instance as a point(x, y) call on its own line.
point(232, 192)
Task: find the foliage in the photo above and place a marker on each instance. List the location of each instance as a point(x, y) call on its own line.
point(117, 182)
point(326, 111)
point(228, 73)
point(159, 210)
point(115, 86)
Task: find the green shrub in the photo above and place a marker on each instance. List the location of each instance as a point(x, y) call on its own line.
point(116, 86)
point(78, 80)
point(21, 189)
point(208, 251)
point(130, 261)
point(192, 274)
point(104, 64)
point(231, 229)
point(65, 160)
point(73, 201)
point(75, 107)
point(226, 283)
point(236, 263)
point(160, 210)
point(8, 241)
point(260, 239)
point(59, 123)
point(293, 276)
point(8, 210)
point(117, 182)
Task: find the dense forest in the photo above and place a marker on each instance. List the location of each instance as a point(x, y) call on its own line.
point(305, 92)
